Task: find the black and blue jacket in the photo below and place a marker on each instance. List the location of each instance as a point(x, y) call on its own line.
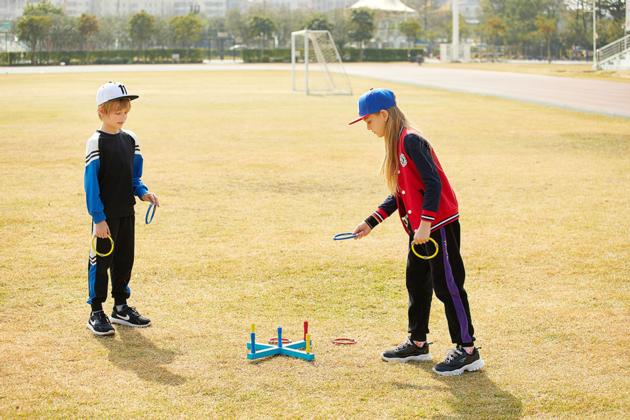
point(113, 171)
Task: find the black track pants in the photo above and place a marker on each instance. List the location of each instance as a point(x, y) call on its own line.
point(445, 274)
point(119, 263)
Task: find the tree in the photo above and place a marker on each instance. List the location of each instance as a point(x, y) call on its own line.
point(216, 25)
point(141, 29)
point(261, 27)
point(608, 30)
point(113, 34)
point(411, 29)
point(361, 27)
point(612, 25)
point(45, 8)
point(88, 26)
point(187, 30)
point(520, 19)
point(33, 30)
point(616, 9)
point(217, 35)
point(319, 23)
point(286, 21)
point(236, 25)
point(340, 28)
point(35, 24)
point(64, 34)
point(494, 30)
point(162, 34)
point(547, 28)
point(576, 28)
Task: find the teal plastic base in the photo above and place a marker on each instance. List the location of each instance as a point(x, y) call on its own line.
point(290, 349)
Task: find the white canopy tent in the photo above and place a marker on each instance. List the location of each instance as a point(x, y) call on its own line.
point(384, 5)
point(388, 16)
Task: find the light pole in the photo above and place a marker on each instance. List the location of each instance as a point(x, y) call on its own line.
point(5, 27)
point(594, 35)
point(455, 44)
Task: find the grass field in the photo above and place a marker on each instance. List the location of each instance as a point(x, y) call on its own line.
point(584, 71)
point(254, 181)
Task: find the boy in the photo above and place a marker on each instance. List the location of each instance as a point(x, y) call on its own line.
point(113, 167)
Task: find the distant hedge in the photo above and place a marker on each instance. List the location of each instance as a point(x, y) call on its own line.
point(192, 55)
point(283, 55)
point(186, 55)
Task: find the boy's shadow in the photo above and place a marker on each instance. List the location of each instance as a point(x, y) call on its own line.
point(477, 396)
point(137, 353)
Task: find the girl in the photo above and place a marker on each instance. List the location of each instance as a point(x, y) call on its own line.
point(428, 210)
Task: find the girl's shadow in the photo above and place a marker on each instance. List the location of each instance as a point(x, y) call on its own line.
point(476, 396)
point(137, 353)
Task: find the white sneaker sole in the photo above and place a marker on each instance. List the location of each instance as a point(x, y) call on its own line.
point(89, 327)
point(422, 358)
point(128, 324)
point(474, 366)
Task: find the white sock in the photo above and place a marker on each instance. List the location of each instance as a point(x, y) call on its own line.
point(120, 307)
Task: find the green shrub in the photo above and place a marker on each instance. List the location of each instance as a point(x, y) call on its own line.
point(283, 55)
point(192, 55)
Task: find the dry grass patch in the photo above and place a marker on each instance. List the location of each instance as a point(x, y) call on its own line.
point(254, 181)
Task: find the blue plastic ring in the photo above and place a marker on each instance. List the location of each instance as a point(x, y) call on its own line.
point(148, 219)
point(344, 236)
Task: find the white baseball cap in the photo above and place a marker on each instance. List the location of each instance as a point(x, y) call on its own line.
point(112, 90)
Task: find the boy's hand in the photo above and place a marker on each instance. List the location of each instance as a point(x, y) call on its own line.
point(152, 198)
point(422, 233)
point(101, 229)
point(362, 230)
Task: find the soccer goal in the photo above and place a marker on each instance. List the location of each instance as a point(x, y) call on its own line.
point(322, 72)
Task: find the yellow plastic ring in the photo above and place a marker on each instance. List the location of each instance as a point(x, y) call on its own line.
point(426, 257)
point(98, 253)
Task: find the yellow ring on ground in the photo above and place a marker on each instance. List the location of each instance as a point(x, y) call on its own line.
point(98, 253)
point(426, 257)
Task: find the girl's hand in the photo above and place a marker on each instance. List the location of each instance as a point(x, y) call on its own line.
point(422, 233)
point(152, 198)
point(362, 230)
point(101, 229)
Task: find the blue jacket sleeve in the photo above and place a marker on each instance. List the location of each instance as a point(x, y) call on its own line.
point(139, 189)
point(90, 182)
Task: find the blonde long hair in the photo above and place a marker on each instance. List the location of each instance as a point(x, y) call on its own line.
point(395, 122)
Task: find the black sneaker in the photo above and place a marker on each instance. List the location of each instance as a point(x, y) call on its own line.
point(130, 317)
point(407, 351)
point(457, 361)
point(99, 324)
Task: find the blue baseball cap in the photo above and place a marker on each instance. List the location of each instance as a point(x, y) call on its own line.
point(373, 101)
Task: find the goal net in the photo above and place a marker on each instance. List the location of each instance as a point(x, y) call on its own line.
point(316, 66)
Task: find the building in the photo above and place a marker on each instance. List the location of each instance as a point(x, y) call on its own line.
point(129, 7)
point(470, 10)
point(328, 5)
point(318, 5)
point(278, 4)
point(12, 9)
point(161, 8)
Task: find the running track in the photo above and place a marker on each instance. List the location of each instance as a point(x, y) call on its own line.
point(594, 96)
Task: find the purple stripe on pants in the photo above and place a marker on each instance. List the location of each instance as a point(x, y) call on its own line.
point(454, 291)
